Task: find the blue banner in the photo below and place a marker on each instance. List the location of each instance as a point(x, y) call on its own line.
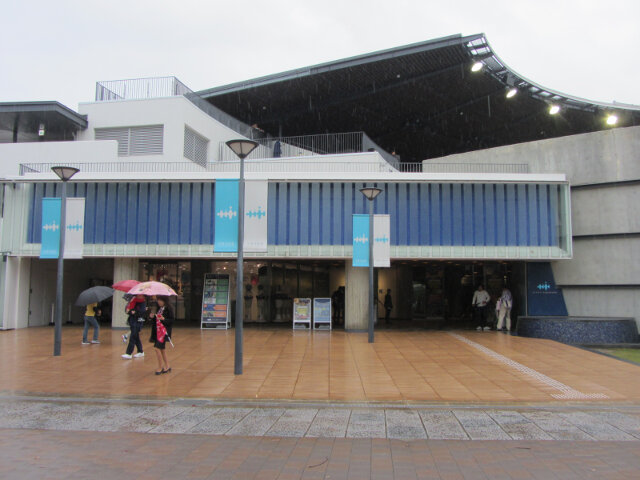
point(50, 228)
point(360, 240)
point(544, 298)
point(226, 216)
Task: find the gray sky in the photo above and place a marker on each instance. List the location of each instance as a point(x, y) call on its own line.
point(57, 50)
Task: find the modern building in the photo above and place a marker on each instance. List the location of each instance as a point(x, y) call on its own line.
point(487, 178)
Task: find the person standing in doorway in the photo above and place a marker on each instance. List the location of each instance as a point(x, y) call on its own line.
point(388, 306)
point(161, 333)
point(136, 309)
point(503, 308)
point(90, 319)
point(479, 304)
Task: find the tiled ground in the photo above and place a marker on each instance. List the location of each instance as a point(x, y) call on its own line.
point(27, 454)
point(422, 367)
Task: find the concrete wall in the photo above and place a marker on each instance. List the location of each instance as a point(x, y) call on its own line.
point(123, 269)
point(603, 278)
point(356, 312)
point(15, 292)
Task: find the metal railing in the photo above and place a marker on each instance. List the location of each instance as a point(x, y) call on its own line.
point(140, 88)
point(452, 167)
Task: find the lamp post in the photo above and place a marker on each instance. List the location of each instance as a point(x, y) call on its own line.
point(371, 193)
point(242, 148)
point(65, 174)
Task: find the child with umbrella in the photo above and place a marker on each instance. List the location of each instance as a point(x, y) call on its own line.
point(161, 333)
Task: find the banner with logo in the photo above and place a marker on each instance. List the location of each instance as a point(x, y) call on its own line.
point(226, 216)
point(74, 233)
point(50, 243)
point(360, 240)
point(255, 215)
point(381, 241)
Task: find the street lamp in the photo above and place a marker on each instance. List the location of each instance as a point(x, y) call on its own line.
point(371, 193)
point(242, 148)
point(65, 174)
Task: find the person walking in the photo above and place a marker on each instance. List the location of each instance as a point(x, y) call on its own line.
point(503, 308)
point(388, 306)
point(136, 309)
point(161, 333)
point(90, 319)
point(479, 304)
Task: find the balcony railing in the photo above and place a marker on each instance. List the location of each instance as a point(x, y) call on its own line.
point(140, 88)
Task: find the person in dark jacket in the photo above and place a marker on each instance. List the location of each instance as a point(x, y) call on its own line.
point(388, 306)
point(161, 333)
point(137, 310)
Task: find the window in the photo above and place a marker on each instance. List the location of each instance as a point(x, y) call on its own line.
point(195, 146)
point(143, 140)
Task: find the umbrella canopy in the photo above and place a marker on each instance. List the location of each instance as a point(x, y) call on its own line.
point(125, 285)
point(152, 288)
point(94, 295)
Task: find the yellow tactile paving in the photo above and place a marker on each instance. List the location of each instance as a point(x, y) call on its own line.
point(281, 364)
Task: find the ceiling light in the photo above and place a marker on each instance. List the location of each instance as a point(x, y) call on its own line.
point(553, 109)
point(512, 92)
point(477, 67)
point(612, 119)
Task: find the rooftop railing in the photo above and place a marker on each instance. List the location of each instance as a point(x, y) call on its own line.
point(140, 88)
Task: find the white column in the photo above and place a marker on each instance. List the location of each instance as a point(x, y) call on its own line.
point(123, 269)
point(356, 311)
point(15, 290)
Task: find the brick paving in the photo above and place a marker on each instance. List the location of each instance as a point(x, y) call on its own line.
point(42, 454)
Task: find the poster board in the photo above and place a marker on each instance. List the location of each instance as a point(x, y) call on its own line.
point(322, 314)
point(215, 302)
point(301, 313)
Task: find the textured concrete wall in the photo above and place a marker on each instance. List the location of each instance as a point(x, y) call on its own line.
point(603, 278)
point(356, 297)
point(123, 269)
point(15, 301)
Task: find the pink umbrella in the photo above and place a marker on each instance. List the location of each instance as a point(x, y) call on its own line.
point(125, 285)
point(152, 288)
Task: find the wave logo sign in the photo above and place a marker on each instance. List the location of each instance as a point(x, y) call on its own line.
point(382, 239)
point(51, 227)
point(259, 213)
point(76, 226)
point(361, 239)
point(229, 214)
point(545, 286)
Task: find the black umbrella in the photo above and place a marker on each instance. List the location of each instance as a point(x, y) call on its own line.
point(94, 295)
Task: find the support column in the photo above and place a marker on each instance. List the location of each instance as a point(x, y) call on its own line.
point(356, 311)
point(123, 269)
point(16, 272)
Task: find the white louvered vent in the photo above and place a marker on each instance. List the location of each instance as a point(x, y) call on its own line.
point(195, 146)
point(143, 140)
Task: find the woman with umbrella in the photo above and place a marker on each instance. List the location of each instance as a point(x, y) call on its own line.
point(90, 299)
point(161, 333)
point(136, 309)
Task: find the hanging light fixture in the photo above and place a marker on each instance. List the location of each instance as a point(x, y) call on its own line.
point(477, 66)
point(512, 92)
point(553, 109)
point(612, 119)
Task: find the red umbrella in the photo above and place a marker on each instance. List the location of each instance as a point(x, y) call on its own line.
point(125, 285)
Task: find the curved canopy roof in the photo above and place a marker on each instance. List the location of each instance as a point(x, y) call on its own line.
point(421, 101)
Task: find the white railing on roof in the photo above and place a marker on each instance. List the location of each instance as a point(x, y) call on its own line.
point(140, 88)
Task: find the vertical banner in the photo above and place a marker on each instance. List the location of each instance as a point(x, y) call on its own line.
point(255, 216)
point(74, 234)
point(360, 240)
point(226, 216)
point(50, 243)
point(381, 241)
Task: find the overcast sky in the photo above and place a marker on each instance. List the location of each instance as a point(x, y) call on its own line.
point(57, 50)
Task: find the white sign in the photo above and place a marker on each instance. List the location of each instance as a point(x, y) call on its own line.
point(255, 215)
point(74, 233)
point(381, 241)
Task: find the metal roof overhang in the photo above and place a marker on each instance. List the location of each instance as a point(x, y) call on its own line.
point(420, 100)
point(24, 118)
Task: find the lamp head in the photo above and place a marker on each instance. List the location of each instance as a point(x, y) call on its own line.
point(370, 192)
point(242, 148)
point(65, 173)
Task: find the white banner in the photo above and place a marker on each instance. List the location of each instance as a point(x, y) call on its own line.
point(256, 194)
point(381, 241)
point(74, 233)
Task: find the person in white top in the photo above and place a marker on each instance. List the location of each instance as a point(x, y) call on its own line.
point(503, 308)
point(479, 304)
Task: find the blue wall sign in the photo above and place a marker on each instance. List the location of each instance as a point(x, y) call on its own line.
point(360, 240)
point(50, 228)
point(543, 297)
point(226, 216)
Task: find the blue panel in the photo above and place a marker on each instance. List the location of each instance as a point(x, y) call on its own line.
point(195, 214)
point(304, 212)
point(226, 215)
point(392, 209)
point(413, 211)
point(101, 213)
point(543, 214)
point(489, 214)
point(174, 213)
point(325, 205)
point(479, 215)
point(154, 196)
point(121, 214)
point(315, 214)
point(272, 206)
point(534, 218)
point(184, 235)
point(347, 191)
point(512, 224)
point(543, 296)
point(164, 217)
point(89, 214)
point(554, 215)
point(467, 219)
point(435, 215)
point(501, 215)
point(423, 213)
point(208, 213)
point(337, 212)
point(50, 237)
point(457, 213)
point(446, 215)
point(401, 213)
point(360, 240)
point(522, 215)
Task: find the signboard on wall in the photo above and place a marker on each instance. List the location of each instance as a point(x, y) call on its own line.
point(226, 216)
point(544, 298)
